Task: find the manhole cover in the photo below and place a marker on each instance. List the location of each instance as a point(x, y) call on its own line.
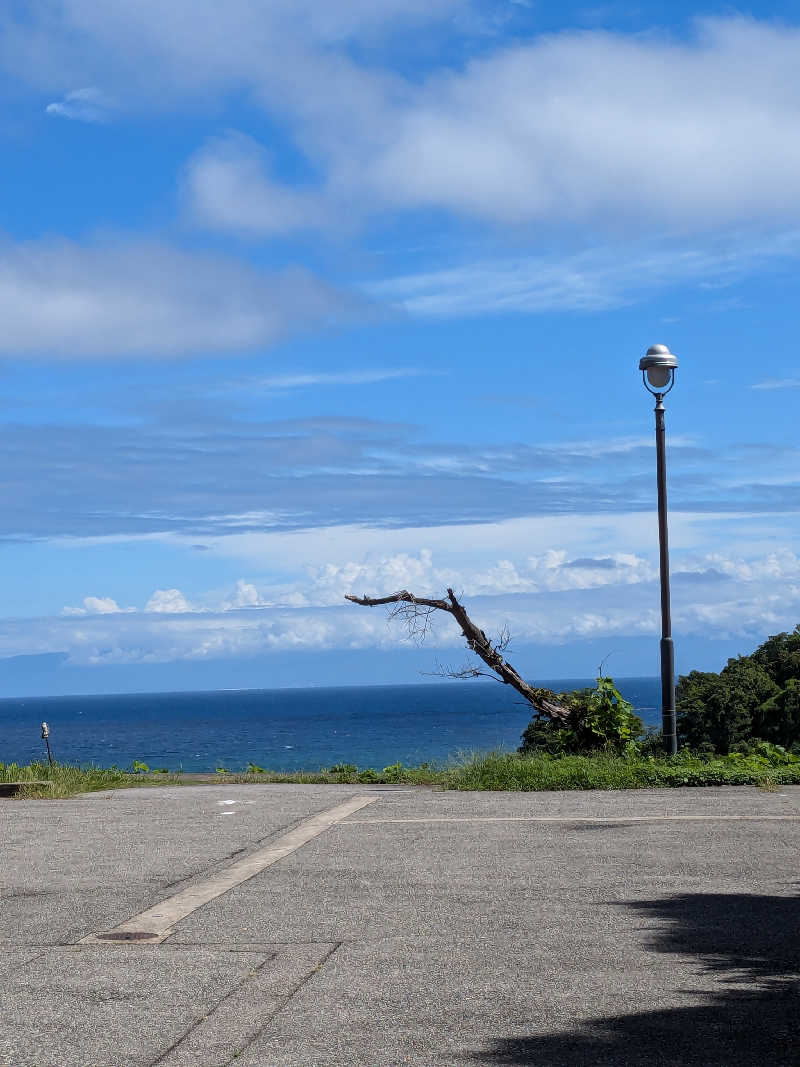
point(128, 935)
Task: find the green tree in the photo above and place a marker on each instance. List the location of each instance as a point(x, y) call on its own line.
point(779, 656)
point(716, 712)
point(778, 719)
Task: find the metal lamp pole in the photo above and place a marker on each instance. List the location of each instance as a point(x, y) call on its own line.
point(658, 374)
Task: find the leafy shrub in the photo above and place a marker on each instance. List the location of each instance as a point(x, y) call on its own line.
point(396, 772)
point(599, 718)
point(137, 767)
point(343, 768)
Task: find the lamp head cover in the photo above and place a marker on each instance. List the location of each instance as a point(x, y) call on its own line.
point(658, 365)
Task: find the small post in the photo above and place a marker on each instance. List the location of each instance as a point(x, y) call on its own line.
point(46, 739)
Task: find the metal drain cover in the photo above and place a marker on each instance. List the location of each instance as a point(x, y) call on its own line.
point(128, 935)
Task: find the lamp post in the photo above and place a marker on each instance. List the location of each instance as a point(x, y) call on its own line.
point(46, 739)
point(658, 374)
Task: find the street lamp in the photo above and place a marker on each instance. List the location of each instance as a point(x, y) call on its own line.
point(658, 374)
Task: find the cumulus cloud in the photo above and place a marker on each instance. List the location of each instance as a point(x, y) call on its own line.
point(766, 600)
point(123, 298)
point(84, 105)
point(245, 596)
point(97, 605)
point(168, 602)
point(421, 574)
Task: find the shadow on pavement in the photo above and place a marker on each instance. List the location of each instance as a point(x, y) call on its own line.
point(752, 946)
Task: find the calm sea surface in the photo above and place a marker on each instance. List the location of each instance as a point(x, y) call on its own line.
point(284, 729)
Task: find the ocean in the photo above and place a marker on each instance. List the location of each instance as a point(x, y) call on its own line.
point(284, 729)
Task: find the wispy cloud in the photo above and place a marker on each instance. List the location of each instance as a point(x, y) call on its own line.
point(279, 382)
point(604, 277)
point(778, 383)
point(83, 105)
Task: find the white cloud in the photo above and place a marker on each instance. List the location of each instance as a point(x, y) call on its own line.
point(246, 596)
point(84, 105)
point(97, 605)
point(168, 602)
point(358, 377)
point(763, 602)
point(584, 127)
point(602, 128)
point(228, 186)
point(605, 277)
point(122, 298)
point(778, 383)
point(419, 573)
point(570, 128)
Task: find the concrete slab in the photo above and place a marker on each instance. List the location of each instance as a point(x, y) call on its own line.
point(489, 938)
point(71, 867)
point(86, 1005)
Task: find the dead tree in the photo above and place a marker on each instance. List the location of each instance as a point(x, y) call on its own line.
point(416, 612)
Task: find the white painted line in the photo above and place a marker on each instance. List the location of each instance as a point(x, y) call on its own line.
point(579, 818)
point(158, 922)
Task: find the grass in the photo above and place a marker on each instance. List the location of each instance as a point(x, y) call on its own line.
point(510, 771)
point(476, 771)
point(68, 780)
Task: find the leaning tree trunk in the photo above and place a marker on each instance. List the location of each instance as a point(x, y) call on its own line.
point(416, 611)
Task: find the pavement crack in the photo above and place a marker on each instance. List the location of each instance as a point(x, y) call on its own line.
point(296, 988)
point(251, 974)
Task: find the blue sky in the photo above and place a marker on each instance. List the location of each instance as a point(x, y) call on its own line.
point(298, 300)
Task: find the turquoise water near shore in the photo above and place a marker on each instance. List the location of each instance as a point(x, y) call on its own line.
point(284, 729)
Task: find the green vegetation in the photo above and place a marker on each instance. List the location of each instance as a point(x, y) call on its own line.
point(66, 780)
point(768, 767)
point(349, 774)
point(753, 698)
point(598, 718)
point(764, 765)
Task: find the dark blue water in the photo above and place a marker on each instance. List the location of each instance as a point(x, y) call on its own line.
point(283, 729)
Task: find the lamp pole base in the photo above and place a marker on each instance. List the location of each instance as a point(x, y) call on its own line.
point(668, 723)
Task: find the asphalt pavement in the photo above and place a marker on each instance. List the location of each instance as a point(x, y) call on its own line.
point(276, 925)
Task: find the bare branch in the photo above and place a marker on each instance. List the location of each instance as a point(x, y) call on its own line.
point(503, 638)
point(416, 613)
point(468, 670)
